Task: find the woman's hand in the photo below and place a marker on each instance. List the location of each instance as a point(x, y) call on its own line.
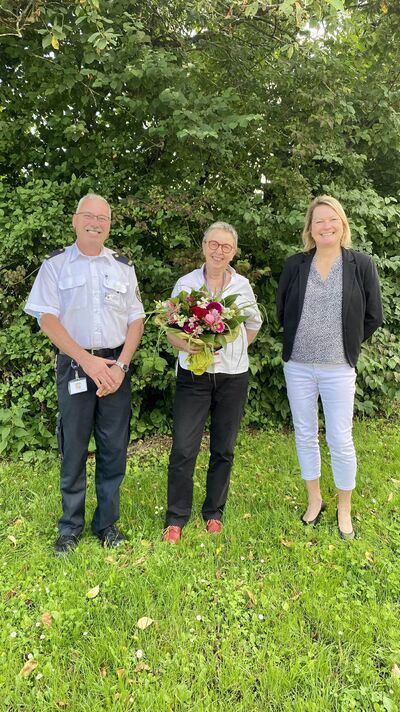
point(183, 345)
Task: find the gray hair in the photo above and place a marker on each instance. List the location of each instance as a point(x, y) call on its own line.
point(97, 197)
point(222, 226)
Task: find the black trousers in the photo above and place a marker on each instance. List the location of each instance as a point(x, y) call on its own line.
point(109, 418)
point(224, 397)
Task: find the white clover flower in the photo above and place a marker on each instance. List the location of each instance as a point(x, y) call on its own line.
point(85, 633)
point(13, 634)
point(42, 637)
point(242, 558)
point(198, 618)
point(39, 676)
point(260, 617)
point(139, 654)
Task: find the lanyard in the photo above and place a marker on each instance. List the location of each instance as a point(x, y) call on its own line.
point(217, 292)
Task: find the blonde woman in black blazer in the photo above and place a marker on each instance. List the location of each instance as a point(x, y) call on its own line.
point(328, 303)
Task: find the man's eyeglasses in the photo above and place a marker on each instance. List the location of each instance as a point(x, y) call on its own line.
point(103, 219)
point(225, 247)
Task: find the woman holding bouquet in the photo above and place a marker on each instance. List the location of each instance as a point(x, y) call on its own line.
point(220, 391)
point(328, 303)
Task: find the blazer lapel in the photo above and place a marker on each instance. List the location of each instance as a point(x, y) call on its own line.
point(304, 271)
point(349, 273)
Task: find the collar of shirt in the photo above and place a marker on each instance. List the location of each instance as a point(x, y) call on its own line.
point(76, 254)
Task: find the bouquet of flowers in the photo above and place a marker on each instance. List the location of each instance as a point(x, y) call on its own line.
point(201, 321)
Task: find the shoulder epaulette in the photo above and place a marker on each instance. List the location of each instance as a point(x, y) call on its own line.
point(54, 253)
point(122, 258)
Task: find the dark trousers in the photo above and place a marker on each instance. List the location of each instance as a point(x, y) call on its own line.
point(224, 397)
point(109, 418)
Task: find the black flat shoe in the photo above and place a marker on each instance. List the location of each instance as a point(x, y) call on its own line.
point(347, 536)
point(316, 519)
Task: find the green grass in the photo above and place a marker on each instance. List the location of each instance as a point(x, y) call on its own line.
point(270, 615)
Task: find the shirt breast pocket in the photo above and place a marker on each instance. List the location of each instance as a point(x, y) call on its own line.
point(115, 293)
point(73, 292)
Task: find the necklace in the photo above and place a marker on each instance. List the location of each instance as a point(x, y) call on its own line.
point(216, 291)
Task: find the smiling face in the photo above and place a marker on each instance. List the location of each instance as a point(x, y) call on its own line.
point(326, 227)
point(92, 225)
point(219, 249)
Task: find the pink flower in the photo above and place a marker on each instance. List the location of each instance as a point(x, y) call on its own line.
point(189, 328)
point(215, 305)
point(209, 319)
point(219, 327)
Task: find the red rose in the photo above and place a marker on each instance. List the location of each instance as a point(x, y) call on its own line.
point(199, 312)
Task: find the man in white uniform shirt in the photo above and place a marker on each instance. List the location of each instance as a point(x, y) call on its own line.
point(87, 301)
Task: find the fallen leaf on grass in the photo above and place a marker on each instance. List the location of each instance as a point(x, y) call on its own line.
point(395, 671)
point(93, 592)
point(28, 668)
point(62, 704)
point(110, 560)
point(331, 547)
point(12, 539)
point(103, 671)
point(247, 515)
point(9, 594)
point(18, 522)
point(390, 497)
point(252, 599)
point(286, 542)
point(139, 561)
point(140, 667)
point(120, 672)
point(218, 574)
point(369, 556)
point(47, 619)
point(295, 596)
point(144, 623)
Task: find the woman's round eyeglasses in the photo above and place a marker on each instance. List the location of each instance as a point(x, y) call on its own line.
point(225, 247)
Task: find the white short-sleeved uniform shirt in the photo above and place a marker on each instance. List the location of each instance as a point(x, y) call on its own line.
point(94, 298)
point(234, 358)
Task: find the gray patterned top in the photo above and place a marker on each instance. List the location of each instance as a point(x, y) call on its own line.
point(319, 336)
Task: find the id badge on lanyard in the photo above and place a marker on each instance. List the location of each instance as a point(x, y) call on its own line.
point(77, 384)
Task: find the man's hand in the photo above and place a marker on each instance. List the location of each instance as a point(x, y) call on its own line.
point(118, 376)
point(98, 370)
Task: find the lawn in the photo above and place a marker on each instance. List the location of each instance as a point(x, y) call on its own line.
point(271, 615)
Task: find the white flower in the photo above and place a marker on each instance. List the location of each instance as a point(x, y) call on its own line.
point(202, 545)
point(261, 561)
point(340, 632)
point(85, 633)
point(260, 617)
point(42, 637)
point(139, 654)
point(39, 676)
point(47, 589)
point(29, 656)
point(13, 634)
point(198, 618)
point(242, 558)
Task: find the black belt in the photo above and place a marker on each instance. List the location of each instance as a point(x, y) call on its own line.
point(103, 353)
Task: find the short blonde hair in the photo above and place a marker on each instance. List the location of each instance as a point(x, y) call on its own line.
point(308, 240)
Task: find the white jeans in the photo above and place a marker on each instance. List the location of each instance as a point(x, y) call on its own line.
point(335, 383)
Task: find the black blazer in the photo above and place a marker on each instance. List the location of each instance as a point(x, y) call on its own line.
point(361, 304)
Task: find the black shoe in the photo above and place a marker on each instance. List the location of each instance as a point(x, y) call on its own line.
point(347, 536)
point(314, 521)
point(111, 537)
point(65, 543)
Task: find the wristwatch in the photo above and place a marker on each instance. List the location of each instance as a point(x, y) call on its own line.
point(122, 366)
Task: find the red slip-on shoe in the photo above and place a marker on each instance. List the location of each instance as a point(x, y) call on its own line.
point(172, 534)
point(214, 526)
